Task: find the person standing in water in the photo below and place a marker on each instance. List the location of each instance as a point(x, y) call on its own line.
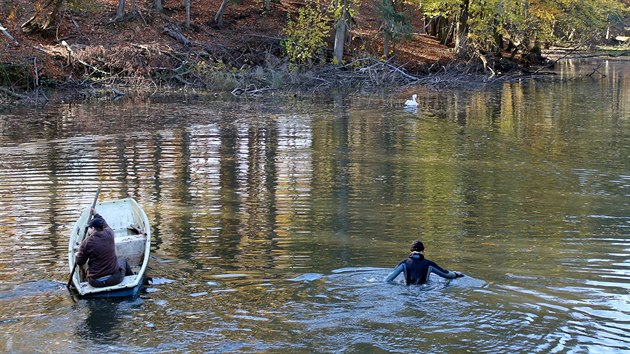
point(417, 269)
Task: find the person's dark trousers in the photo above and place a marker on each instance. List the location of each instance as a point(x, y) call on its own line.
point(123, 270)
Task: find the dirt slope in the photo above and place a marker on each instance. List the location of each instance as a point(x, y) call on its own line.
point(141, 41)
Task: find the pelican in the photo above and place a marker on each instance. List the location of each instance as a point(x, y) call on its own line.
point(412, 101)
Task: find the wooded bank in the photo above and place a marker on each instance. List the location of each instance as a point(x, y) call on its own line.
point(250, 48)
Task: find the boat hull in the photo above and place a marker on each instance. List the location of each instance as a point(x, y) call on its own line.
point(133, 243)
point(126, 292)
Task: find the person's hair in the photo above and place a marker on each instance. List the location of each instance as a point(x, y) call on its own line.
point(97, 223)
point(417, 246)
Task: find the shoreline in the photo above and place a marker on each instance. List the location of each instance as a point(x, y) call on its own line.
point(373, 76)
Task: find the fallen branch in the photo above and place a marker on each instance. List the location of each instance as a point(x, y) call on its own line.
point(8, 35)
point(381, 71)
point(404, 74)
point(36, 72)
point(142, 17)
point(12, 94)
point(596, 70)
point(266, 37)
point(71, 55)
point(250, 89)
point(174, 33)
point(560, 58)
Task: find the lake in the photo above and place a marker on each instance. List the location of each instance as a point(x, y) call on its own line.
point(275, 220)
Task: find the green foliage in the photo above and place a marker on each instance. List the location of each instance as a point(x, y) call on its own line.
point(531, 23)
point(395, 24)
point(339, 6)
point(440, 8)
point(586, 21)
point(306, 35)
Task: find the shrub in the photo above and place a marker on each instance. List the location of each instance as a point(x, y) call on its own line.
point(306, 35)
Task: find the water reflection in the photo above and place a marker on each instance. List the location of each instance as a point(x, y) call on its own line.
point(261, 206)
point(102, 321)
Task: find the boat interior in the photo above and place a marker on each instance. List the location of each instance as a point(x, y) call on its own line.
point(130, 244)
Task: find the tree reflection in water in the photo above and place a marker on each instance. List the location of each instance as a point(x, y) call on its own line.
point(103, 317)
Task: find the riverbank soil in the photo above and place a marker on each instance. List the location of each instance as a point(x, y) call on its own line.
point(89, 45)
point(90, 48)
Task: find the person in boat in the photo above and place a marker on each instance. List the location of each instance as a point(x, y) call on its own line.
point(98, 250)
point(417, 269)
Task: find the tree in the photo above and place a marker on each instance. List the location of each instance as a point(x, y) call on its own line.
point(461, 28)
point(342, 14)
point(526, 25)
point(395, 23)
point(587, 21)
point(120, 12)
point(452, 17)
point(218, 17)
point(45, 18)
point(187, 6)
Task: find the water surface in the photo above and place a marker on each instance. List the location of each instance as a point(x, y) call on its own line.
point(276, 220)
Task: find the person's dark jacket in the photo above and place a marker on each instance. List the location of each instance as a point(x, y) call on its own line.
point(99, 251)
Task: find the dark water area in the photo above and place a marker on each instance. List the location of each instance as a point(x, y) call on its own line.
point(275, 220)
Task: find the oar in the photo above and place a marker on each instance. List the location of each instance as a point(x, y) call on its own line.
point(98, 190)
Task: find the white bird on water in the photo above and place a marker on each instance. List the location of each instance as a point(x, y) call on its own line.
point(412, 102)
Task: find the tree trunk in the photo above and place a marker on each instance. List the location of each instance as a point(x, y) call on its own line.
point(158, 5)
point(498, 42)
point(442, 29)
point(187, 24)
point(267, 5)
point(218, 18)
point(45, 18)
point(341, 28)
point(121, 9)
point(431, 28)
point(386, 44)
point(461, 29)
point(340, 38)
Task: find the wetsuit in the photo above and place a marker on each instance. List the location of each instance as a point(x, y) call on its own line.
point(417, 270)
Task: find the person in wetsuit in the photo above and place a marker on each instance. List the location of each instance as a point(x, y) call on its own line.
point(417, 269)
point(98, 250)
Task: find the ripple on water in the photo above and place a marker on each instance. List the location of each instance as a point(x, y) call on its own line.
point(258, 195)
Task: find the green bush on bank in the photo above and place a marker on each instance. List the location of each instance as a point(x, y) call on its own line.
point(307, 35)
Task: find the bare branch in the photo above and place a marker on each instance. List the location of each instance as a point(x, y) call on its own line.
point(8, 35)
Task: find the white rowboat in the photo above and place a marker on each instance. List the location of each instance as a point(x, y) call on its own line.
point(133, 242)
